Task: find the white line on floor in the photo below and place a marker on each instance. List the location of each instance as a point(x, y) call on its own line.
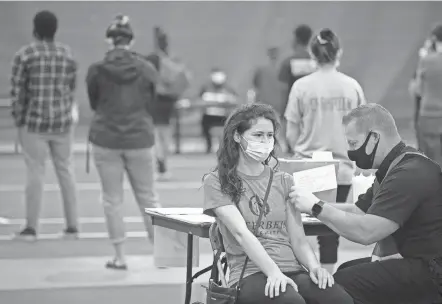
point(82, 220)
point(87, 235)
point(96, 186)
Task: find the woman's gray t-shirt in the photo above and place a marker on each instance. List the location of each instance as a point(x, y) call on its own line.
point(272, 234)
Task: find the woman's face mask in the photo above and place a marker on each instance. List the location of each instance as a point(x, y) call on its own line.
point(257, 150)
point(363, 160)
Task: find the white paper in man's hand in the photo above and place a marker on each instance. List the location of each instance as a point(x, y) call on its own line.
point(317, 179)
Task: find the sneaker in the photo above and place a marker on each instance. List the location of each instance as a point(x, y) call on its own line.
point(28, 234)
point(70, 233)
point(116, 265)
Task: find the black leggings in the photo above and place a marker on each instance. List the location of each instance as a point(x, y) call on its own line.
point(207, 123)
point(328, 244)
point(253, 286)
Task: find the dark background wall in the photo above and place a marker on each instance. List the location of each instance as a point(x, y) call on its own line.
point(380, 39)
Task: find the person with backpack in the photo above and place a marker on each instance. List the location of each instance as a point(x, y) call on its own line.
point(121, 90)
point(173, 81)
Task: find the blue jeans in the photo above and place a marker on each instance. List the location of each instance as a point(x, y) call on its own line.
point(111, 165)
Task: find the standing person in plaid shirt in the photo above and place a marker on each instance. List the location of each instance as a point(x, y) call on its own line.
point(43, 83)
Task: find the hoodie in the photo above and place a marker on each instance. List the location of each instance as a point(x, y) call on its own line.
point(121, 90)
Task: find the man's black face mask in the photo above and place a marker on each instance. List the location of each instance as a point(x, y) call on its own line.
point(362, 159)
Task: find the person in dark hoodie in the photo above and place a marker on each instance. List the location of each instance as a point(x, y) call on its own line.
point(121, 90)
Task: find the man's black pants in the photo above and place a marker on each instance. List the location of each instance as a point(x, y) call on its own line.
point(207, 123)
point(396, 281)
point(328, 244)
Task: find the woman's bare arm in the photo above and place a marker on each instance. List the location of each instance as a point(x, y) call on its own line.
point(300, 246)
point(231, 217)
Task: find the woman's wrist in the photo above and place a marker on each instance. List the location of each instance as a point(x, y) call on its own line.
point(313, 266)
point(275, 271)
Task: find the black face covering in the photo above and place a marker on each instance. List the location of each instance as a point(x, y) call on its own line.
point(362, 159)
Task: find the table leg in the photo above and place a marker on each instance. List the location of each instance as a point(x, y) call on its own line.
point(189, 268)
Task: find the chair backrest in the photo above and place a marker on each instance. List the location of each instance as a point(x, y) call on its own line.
point(215, 237)
point(219, 271)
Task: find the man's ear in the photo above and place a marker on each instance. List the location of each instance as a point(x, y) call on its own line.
point(372, 141)
point(375, 137)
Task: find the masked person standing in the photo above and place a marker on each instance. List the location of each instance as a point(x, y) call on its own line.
point(213, 93)
point(121, 90)
point(314, 114)
point(404, 205)
point(429, 80)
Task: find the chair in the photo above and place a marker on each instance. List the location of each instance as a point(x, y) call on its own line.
point(219, 267)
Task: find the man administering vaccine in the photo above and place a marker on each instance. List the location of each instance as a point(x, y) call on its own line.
point(404, 205)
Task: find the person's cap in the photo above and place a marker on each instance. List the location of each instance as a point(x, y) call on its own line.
point(120, 27)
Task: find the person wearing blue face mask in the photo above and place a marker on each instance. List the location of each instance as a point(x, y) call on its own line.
point(401, 213)
point(282, 267)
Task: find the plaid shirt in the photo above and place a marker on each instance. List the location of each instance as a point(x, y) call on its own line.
point(43, 82)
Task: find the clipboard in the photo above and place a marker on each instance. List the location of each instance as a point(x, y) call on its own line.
point(300, 164)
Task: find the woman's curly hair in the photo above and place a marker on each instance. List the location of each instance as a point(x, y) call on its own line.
point(241, 120)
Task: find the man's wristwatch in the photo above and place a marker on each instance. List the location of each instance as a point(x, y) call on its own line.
point(317, 208)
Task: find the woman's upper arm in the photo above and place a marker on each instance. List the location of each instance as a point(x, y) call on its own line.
point(221, 206)
point(230, 216)
point(295, 227)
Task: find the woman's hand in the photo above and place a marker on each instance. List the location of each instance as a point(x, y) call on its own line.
point(277, 282)
point(321, 277)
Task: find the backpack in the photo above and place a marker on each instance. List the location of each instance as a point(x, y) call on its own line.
point(174, 79)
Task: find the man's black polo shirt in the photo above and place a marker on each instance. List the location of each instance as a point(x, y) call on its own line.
point(411, 196)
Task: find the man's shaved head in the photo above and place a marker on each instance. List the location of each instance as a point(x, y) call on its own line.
point(372, 117)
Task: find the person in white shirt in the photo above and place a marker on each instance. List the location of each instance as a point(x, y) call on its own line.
point(316, 105)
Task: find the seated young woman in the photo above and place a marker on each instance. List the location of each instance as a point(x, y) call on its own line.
point(282, 268)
